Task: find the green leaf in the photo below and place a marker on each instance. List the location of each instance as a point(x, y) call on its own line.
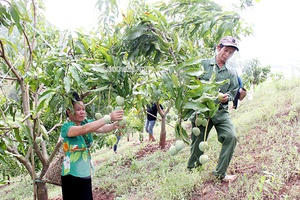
point(157, 57)
point(187, 113)
point(100, 89)
point(3, 146)
point(196, 106)
point(175, 80)
point(15, 15)
point(191, 61)
point(82, 48)
point(98, 68)
point(46, 94)
point(17, 135)
point(136, 32)
point(67, 84)
point(194, 72)
point(107, 57)
point(75, 73)
point(205, 28)
point(180, 132)
point(3, 160)
point(179, 99)
point(58, 74)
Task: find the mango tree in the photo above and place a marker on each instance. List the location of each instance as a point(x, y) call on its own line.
point(169, 43)
point(40, 68)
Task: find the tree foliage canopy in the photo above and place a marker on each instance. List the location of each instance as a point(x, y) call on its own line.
point(152, 55)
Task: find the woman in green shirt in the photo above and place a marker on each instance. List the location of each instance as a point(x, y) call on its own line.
point(76, 167)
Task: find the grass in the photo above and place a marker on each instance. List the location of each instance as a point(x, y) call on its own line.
point(266, 158)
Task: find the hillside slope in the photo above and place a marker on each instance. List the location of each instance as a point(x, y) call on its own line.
point(266, 158)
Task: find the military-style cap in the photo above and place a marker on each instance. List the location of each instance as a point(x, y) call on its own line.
point(230, 41)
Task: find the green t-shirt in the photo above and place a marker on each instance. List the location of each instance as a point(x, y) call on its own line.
point(77, 160)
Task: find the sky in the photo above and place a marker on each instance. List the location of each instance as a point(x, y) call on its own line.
point(275, 41)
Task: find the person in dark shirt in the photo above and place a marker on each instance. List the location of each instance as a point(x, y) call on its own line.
point(151, 120)
point(118, 134)
point(240, 95)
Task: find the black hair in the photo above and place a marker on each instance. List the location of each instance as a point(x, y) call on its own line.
point(222, 45)
point(74, 99)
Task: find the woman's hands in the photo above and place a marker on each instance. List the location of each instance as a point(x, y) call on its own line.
point(117, 126)
point(117, 115)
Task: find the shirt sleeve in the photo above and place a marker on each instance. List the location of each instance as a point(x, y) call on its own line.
point(65, 128)
point(240, 82)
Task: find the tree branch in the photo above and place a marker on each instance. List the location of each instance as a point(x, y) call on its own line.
point(2, 54)
point(8, 78)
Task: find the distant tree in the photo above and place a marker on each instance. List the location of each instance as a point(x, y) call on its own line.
point(254, 73)
point(277, 76)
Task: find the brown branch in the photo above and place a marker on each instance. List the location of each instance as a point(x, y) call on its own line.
point(21, 159)
point(6, 1)
point(34, 25)
point(29, 47)
point(8, 78)
point(82, 96)
point(56, 149)
point(9, 128)
point(2, 54)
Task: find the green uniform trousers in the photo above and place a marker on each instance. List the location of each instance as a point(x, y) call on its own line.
point(226, 136)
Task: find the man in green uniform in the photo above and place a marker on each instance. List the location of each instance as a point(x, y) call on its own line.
point(221, 121)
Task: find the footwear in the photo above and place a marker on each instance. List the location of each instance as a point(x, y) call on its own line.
point(229, 178)
point(151, 138)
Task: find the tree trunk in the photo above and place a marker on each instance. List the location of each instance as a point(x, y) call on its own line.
point(162, 141)
point(42, 191)
point(8, 179)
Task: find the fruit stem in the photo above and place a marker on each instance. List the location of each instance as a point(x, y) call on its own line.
point(108, 98)
point(206, 129)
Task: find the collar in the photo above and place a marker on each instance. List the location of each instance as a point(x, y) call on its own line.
point(213, 62)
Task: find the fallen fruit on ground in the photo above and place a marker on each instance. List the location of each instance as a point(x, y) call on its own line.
point(98, 115)
point(179, 144)
point(120, 100)
point(107, 119)
point(203, 146)
point(203, 159)
point(196, 131)
point(172, 150)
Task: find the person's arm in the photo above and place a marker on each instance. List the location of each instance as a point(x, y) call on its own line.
point(233, 88)
point(95, 125)
point(108, 128)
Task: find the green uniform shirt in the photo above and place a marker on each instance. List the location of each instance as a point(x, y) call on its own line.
point(226, 72)
point(77, 159)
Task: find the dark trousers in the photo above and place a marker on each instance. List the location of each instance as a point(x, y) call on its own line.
point(226, 136)
point(75, 188)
